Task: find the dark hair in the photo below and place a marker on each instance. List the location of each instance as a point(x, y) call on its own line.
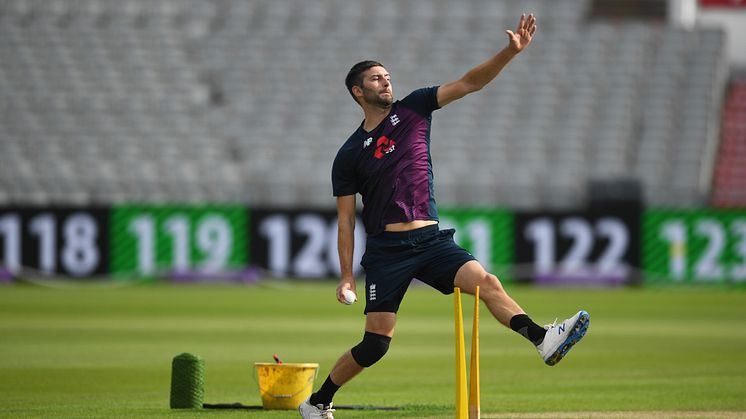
point(355, 76)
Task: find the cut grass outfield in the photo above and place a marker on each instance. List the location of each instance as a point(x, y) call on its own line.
point(107, 352)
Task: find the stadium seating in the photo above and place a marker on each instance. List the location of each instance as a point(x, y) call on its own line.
point(729, 189)
point(109, 101)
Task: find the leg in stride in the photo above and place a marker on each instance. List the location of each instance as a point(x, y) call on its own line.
point(491, 291)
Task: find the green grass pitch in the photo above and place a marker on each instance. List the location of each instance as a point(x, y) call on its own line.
point(88, 352)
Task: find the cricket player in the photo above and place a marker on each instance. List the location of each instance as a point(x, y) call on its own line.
point(387, 161)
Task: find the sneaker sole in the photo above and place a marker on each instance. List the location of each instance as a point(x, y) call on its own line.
point(577, 333)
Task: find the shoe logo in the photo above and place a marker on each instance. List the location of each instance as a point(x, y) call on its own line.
point(372, 292)
point(367, 142)
point(384, 146)
point(394, 119)
point(560, 328)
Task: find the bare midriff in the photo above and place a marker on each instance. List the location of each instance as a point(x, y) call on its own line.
point(409, 225)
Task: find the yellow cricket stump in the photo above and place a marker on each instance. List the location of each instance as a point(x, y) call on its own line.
point(462, 411)
point(466, 408)
point(474, 412)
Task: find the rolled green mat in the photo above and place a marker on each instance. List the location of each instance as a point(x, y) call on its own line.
point(187, 382)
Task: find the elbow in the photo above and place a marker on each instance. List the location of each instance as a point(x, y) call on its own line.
point(471, 86)
point(346, 223)
point(476, 88)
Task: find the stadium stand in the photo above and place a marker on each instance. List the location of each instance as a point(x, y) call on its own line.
point(243, 101)
point(729, 189)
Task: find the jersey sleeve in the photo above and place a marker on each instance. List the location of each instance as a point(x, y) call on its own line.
point(423, 101)
point(344, 181)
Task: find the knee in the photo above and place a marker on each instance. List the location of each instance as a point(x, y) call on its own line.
point(371, 349)
point(491, 285)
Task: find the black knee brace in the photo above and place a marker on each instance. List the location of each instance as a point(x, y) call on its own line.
point(372, 348)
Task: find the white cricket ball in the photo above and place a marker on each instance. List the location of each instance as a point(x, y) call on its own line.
point(350, 296)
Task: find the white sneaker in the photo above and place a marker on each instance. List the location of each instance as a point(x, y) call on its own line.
point(561, 337)
point(309, 411)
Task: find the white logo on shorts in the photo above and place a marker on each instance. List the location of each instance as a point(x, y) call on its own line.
point(372, 292)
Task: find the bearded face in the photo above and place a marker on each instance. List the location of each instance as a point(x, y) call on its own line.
point(380, 98)
point(377, 89)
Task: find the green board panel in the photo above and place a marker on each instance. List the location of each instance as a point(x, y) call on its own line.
point(694, 246)
point(154, 240)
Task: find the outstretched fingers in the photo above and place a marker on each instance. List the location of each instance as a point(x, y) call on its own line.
point(523, 33)
point(531, 24)
point(527, 23)
point(522, 22)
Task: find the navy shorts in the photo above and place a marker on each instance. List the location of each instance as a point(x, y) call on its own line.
point(393, 259)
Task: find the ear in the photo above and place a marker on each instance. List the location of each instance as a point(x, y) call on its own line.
point(357, 91)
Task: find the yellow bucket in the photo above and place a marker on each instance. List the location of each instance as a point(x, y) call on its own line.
point(284, 386)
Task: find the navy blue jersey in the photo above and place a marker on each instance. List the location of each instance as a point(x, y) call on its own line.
point(390, 166)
